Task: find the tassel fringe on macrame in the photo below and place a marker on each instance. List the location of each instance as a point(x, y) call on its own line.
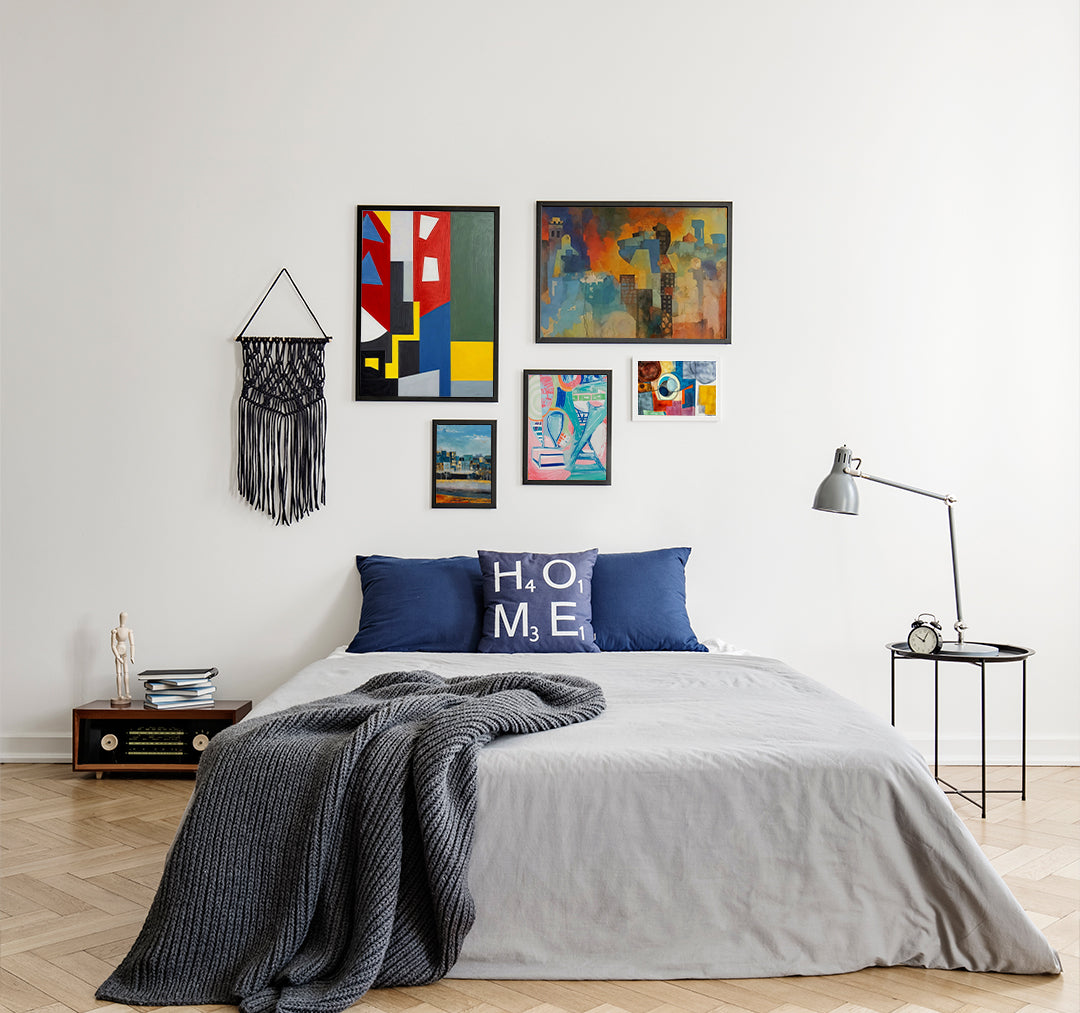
point(282, 426)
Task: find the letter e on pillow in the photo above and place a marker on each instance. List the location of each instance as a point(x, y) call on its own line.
point(556, 618)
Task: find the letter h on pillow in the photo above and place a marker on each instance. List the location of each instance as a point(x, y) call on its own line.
point(536, 602)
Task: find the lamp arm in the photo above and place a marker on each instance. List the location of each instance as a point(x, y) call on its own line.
point(900, 485)
point(949, 501)
point(959, 625)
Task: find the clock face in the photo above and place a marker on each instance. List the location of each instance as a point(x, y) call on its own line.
point(923, 640)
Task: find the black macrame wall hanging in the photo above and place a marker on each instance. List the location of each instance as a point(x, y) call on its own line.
point(282, 430)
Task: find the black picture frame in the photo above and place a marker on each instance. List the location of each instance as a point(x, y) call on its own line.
point(652, 273)
point(566, 427)
point(457, 479)
point(427, 303)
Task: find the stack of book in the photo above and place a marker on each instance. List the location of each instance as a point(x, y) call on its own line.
point(172, 688)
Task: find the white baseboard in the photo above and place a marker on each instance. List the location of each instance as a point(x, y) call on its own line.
point(56, 748)
point(1002, 752)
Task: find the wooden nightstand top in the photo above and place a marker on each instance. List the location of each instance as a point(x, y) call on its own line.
point(138, 708)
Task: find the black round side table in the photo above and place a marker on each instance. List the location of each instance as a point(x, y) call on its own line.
point(1006, 653)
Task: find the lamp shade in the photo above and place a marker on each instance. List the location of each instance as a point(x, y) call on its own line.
point(838, 493)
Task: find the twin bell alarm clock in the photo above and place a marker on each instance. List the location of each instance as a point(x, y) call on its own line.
point(925, 635)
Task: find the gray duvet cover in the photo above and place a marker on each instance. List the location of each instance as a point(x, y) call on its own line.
point(726, 817)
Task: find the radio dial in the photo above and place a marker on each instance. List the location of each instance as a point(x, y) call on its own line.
point(200, 742)
point(109, 742)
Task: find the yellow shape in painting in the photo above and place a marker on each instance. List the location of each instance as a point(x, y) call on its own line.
point(394, 363)
point(371, 363)
point(472, 360)
point(384, 217)
point(707, 398)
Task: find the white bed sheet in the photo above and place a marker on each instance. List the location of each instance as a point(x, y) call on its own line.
point(725, 817)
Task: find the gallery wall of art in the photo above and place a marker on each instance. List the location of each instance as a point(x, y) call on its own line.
point(903, 279)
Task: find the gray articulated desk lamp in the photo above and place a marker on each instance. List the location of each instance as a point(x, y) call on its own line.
point(838, 494)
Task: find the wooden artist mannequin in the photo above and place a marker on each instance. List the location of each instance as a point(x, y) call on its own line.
point(122, 644)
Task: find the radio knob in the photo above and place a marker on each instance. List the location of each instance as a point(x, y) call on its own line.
point(109, 742)
point(200, 742)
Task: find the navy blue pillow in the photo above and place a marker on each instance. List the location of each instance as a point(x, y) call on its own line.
point(419, 604)
point(537, 602)
point(639, 602)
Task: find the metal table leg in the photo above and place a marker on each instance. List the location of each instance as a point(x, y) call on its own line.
point(935, 719)
point(1023, 731)
point(892, 690)
point(982, 670)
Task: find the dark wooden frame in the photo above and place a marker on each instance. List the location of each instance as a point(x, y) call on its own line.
point(492, 425)
point(525, 426)
point(543, 253)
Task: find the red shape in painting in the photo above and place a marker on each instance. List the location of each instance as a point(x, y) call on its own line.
point(431, 264)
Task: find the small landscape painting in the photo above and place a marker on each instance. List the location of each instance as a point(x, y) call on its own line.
point(463, 463)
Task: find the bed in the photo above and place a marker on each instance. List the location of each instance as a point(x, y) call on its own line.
point(703, 813)
point(726, 817)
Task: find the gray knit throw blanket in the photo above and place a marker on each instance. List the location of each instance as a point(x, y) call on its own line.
point(326, 847)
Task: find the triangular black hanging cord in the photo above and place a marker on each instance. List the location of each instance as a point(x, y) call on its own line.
point(283, 271)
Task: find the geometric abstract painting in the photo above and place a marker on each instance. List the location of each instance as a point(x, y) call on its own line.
point(682, 390)
point(566, 427)
point(427, 284)
point(645, 273)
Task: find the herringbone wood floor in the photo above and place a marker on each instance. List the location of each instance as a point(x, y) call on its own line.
point(80, 860)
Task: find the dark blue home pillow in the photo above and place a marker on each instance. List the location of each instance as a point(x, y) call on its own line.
point(537, 602)
point(419, 604)
point(639, 602)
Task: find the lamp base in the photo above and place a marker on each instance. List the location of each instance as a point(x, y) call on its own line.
point(975, 650)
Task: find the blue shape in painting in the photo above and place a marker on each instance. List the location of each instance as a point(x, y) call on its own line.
point(466, 440)
point(704, 370)
point(554, 424)
point(582, 458)
point(435, 345)
point(571, 306)
point(629, 248)
point(369, 230)
point(369, 273)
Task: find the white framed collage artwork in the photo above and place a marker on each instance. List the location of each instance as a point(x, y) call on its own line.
point(675, 390)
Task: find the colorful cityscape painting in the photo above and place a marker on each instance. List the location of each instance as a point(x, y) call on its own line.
point(427, 303)
point(634, 272)
point(463, 463)
point(567, 427)
point(677, 389)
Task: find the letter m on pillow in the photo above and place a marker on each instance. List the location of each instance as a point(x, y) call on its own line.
point(521, 616)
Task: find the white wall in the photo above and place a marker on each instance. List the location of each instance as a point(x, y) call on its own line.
point(905, 254)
